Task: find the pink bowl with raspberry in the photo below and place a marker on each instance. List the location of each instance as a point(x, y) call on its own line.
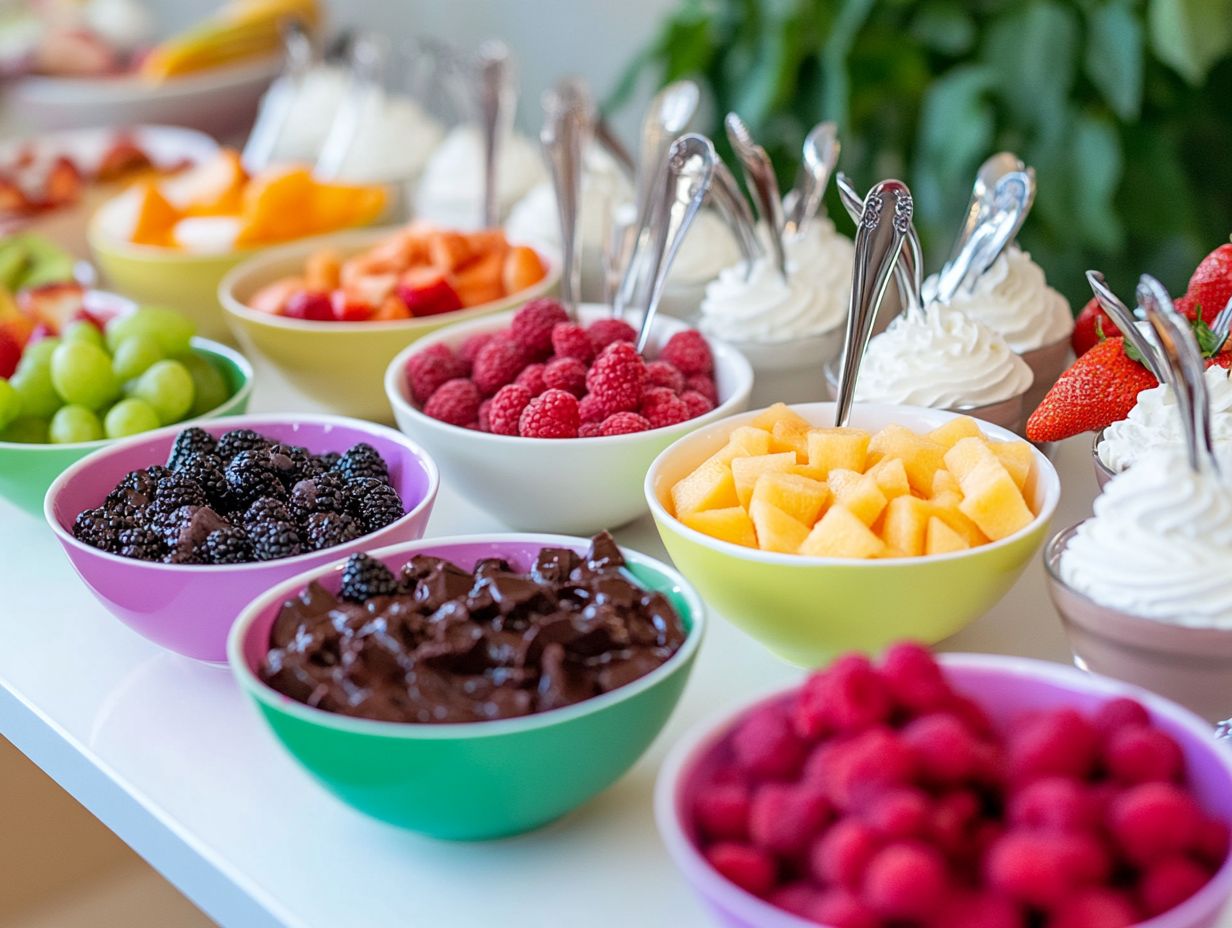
point(570, 485)
point(1005, 688)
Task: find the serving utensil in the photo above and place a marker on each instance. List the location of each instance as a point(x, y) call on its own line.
point(567, 129)
point(498, 101)
point(760, 179)
point(367, 58)
point(300, 54)
point(1125, 321)
point(909, 270)
point(819, 156)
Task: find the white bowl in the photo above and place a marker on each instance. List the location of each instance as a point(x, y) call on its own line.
point(571, 485)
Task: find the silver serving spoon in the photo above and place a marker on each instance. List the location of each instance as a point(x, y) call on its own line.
point(498, 100)
point(567, 127)
point(300, 55)
point(819, 156)
point(881, 233)
point(725, 193)
point(1013, 197)
point(367, 58)
point(1125, 321)
point(759, 176)
point(1222, 323)
point(986, 178)
point(909, 271)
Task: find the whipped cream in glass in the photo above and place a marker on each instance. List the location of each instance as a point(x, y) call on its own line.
point(1159, 545)
point(534, 218)
point(1155, 422)
point(450, 193)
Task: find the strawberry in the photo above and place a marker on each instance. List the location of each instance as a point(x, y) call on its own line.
point(1087, 327)
point(1210, 287)
point(1100, 388)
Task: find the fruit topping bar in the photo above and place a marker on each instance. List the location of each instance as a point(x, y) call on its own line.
point(242, 498)
point(437, 643)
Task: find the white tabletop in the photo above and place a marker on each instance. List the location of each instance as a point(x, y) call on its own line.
point(169, 755)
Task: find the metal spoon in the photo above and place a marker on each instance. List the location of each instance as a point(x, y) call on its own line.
point(498, 100)
point(1125, 321)
point(986, 178)
point(725, 193)
point(819, 157)
point(759, 176)
point(884, 225)
point(567, 127)
point(909, 271)
point(368, 55)
point(1013, 197)
point(1222, 324)
point(300, 55)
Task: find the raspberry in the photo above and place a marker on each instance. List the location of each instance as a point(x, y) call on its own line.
point(1211, 843)
point(364, 577)
point(664, 374)
point(506, 409)
point(1054, 804)
point(849, 696)
point(623, 423)
point(853, 771)
point(1154, 820)
point(841, 855)
point(689, 352)
point(784, 819)
point(605, 331)
point(617, 378)
point(766, 746)
point(722, 811)
point(951, 822)
point(485, 414)
point(531, 378)
point(570, 340)
point(898, 813)
point(498, 363)
point(1170, 882)
point(532, 325)
point(971, 713)
point(840, 909)
point(914, 678)
point(1119, 712)
point(568, 374)
point(473, 345)
point(945, 751)
point(1094, 908)
point(1141, 753)
point(662, 407)
point(1056, 743)
point(905, 880)
point(455, 402)
point(798, 898)
point(703, 384)
point(591, 409)
point(553, 414)
point(697, 404)
point(590, 430)
point(1043, 868)
point(980, 910)
point(750, 869)
point(427, 370)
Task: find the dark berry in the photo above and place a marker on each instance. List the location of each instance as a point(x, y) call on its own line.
point(267, 509)
point(328, 460)
point(362, 460)
point(128, 504)
point(207, 470)
point(99, 528)
point(228, 546)
point(237, 440)
point(188, 443)
point(141, 482)
point(293, 464)
point(375, 504)
point(363, 577)
point(326, 529)
point(323, 493)
point(176, 490)
point(250, 475)
point(274, 540)
point(142, 543)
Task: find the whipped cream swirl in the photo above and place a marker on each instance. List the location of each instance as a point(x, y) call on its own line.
point(450, 193)
point(1159, 545)
point(534, 218)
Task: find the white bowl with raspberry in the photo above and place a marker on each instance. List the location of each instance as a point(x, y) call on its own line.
point(551, 425)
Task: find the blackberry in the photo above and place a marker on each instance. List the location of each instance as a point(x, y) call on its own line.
point(237, 440)
point(188, 443)
point(206, 470)
point(99, 528)
point(183, 555)
point(323, 493)
point(328, 460)
point(363, 577)
point(374, 503)
point(141, 543)
point(142, 482)
point(267, 509)
point(169, 525)
point(362, 460)
point(293, 464)
point(251, 476)
point(228, 546)
point(127, 504)
point(326, 529)
point(176, 490)
point(274, 540)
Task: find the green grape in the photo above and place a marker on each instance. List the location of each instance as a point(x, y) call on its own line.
point(10, 403)
point(136, 355)
point(82, 331)
point(210, 388)
point(38, 354)
point(129, 417)
point(168, 387)
point(72, 424)
point(82, 374)
point(38, 395)
point(171, 330)
point(27, 430)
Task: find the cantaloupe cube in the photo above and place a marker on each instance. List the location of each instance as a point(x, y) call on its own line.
point(711, 486)
point(891, 477)
point(788, 436)
point(993, 502)
point(966, 455)
point(779, 412)
point(808, 470)
point(939, 538)
point(945, 507)
point(799, 497)
point(858, 494)
point(776, 530)
point(845, 448)
point(746, 470)
point(154, 217)
point(841, 534)
point(954, 431)
point(888, 553)
point(921, 456)
point(906, 521)
point(944, 482)
point(731, 524)
point(743, 442)
point(1017, 457)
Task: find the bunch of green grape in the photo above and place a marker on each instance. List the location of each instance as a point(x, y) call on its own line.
point(86, 384)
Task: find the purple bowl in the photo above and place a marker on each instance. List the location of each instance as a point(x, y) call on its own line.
point(1007, 686)
point(189, 608)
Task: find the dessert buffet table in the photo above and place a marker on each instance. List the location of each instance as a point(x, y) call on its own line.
point(167, 753)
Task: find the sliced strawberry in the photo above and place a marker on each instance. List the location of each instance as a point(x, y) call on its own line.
point(311, 305)
point(12, 198)
point(10, 353)
point(63, 183)
point(426, 292)
point(53, 305)
point(348, 308)
point(122, 158)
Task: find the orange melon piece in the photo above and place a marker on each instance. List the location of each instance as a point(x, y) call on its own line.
point(522, 268)
point(155, 219)
point(479, 281)
point(323, 270)
point(273, 297)
point(212, 188)
point(448, 251)
point(277, 206)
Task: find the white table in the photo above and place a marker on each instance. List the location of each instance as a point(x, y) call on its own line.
point(169, 755)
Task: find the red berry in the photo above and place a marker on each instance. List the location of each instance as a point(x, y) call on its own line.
point(428, 369)
point(799, 898)
point(849, 696)
point(1154, 820)
point(470, 348)
point(722, 811)
point(591, 409)
point(689, 353)
point(662, 408)
point(311, 305)
point(617, 377)
point(664, 374)
point(841, 855)
point(605, 331)
point(553, 414)
point(1169, 882)
point(590, 430)
point(898, 813)
point(855, 771)
point(10, 354)
point(1094, 908)
point(1210, 286)
point(750, 869)
point(531, 377)
point(569, 340)
point(485, 423)
point(1119, 712)
point(498, 363)
point(532, 325)
point(766, 746)
point(838, 908)
point(506, 408)
point(953, 818)
point(623, 423)
point(947, 753)
point(1141, 753)
point(1043, 868)
point(456, 402)
point(568, 374)
point(703, 384)
point(696, 403)
point(1056, 743)
point(784, 819)
point(1211, 843)
point(906, 880)
point(914, 678)
point(1054, 804)
point(980, 909)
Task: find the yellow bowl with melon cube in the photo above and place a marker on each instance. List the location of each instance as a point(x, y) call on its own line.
point(808, 607)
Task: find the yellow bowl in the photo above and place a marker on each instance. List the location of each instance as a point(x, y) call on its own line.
point(340, 365)
point(808, 609)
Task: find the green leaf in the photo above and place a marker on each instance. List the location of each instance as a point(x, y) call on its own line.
point(945, 27)
point(1114, 56)
point(852, 15)
point(1032, 49)
point(1097, 163)
point(1191, 35)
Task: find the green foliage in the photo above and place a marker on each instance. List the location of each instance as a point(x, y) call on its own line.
point(1122, 107)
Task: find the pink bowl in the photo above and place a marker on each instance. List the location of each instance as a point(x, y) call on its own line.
point(190, 608)
point(1006, 687)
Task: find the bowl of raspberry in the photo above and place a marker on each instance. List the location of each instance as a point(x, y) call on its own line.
point(550, 424)
point(176, 530)
point(977, 791)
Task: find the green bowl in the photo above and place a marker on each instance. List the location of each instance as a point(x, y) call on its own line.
point(483, 779)
point(27, 470)
point(810, 609)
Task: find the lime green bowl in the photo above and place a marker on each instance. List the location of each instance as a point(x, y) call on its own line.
point(483, 779)
point(809, 609)
point(27, 470)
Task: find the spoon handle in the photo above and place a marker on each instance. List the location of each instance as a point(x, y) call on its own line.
point(568, 119)
point(497, 102)
point(369, 53)
point(300, 54)
point(991, 171)
point(759, 176)
point(908, 271)
point(735, 209)
point(1125, 322)
point(1013, 198)
point(819, 156)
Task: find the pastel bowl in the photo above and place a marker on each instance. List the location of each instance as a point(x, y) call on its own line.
point(807, 609)
point(566, 484)
point(26, 470)
point(1005, 687)
point(338, 364)
point(474, 780)
point(189, 608)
